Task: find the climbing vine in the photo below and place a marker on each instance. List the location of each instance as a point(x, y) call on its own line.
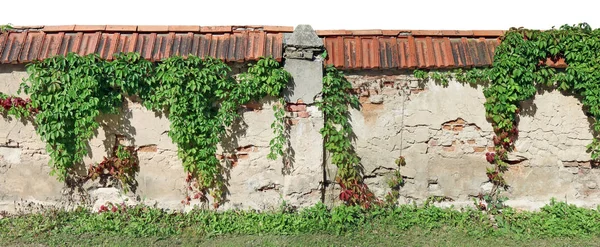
point(526, 58)
point(16, 106)
point(5, 27)
point(395, 183)
point(70, 92)
point(122, 165)
point(337, 135)
point(200, 97)
point(202, 100)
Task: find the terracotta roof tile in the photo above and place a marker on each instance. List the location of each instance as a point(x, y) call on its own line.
point(152, 42)
point(333, 32)
point(445, 33)
point(347, 49)
point(59, 28)
point(216, 29)
point(121, 28)
point(408, 52)
point(184, 28)
point(152, 28)
point(284, 29)
point(89, 28)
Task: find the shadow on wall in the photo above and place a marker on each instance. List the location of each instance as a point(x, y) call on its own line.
point(230, 145)
point(528, 108)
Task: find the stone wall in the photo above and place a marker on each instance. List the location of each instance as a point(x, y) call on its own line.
point(441, 130)
point(444, 135)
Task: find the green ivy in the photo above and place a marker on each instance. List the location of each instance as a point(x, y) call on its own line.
point(202, 100)
point(5, 27)
point(70, 92)
point(519, 66)
point(200, 97)
point(337, 135)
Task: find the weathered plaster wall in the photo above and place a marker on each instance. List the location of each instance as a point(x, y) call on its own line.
point(254, 182)
point(442, 132)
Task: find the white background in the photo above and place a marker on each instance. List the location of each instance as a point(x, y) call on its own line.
point(321, 14)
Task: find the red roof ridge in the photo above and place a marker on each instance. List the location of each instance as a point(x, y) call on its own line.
point(154, 28)
point(241, 28)
point(445, 33)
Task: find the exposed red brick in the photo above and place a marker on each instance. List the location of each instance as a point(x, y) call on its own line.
point(303, 114)
point(252, 106)
point(559, 63)
point(447, 127)
point(449, 149)
point(458, 128)
point(242, 156)
point(479, 149)
point(586, 165)
point(292, 121)
point(491, 149)
point(247, 149)
point(148, 149)
point(582, 164)
point(296, 107)
point(471, 141)
point(457, 121)
point(417, 90)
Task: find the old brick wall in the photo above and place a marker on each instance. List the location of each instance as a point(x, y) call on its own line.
point(444, 135)
point(254, 182)
point(442, 132)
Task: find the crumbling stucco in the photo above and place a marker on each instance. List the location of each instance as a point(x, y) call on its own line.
point(442, 132)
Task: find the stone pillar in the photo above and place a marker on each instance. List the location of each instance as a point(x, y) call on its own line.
point(303, 60)
point(304, 163)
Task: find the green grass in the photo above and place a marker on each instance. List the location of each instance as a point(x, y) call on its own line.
point(557, 224)
point(413, 237)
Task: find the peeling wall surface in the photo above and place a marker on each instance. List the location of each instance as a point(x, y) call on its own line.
point(441, 130)
point(444, 135)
